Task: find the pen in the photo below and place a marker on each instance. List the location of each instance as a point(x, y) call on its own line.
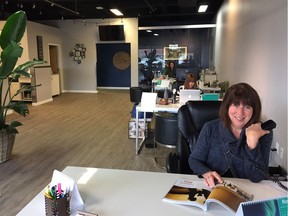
point(59, 190)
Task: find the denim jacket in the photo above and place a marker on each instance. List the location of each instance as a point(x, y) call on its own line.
point(218, 150)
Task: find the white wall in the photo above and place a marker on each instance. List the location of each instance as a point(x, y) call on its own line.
point(251, 46)
point(82, 77)
point(50, 35)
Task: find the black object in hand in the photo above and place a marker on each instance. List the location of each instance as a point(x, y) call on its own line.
point(268, 125)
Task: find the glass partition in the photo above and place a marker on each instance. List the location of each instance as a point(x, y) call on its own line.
point(189, 48)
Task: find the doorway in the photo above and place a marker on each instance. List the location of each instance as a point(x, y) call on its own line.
point(55, 68)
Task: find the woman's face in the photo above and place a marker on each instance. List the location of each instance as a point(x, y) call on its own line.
point(239, 115)
point(191, 84)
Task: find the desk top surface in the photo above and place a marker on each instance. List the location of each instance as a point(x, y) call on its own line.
point(158, 107)
point(112, 192)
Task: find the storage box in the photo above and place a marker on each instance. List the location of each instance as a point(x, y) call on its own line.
point(141, 128)
point(210, 96)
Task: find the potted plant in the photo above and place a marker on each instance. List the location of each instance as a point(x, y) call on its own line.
point(10, 38)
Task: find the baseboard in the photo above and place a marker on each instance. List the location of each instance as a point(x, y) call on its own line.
point(42, 102)
point(114, 88)
point(79, 91)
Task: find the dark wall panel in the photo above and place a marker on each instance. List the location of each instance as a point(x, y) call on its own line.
point(108, 75)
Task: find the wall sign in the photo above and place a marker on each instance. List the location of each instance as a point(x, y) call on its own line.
point(40, 47)
point(121, 60)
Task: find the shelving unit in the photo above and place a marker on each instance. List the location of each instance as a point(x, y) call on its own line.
point(48, 86)
point(15, 86)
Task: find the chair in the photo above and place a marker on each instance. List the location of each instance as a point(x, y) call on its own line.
point(191, 117)
point(135, 94)
point(165, 134)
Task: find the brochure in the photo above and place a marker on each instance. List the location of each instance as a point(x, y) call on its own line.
point(194, 193)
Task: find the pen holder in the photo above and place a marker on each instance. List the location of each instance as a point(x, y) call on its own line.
point(58, 207)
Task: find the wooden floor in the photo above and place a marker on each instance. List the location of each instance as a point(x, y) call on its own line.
point(75, 129)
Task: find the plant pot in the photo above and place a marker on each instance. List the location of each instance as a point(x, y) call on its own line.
point(6, 145)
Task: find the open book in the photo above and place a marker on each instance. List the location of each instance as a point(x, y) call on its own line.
point(194, 193)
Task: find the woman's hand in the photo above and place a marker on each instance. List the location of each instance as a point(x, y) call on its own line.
point(253, 133)
point(211, 178)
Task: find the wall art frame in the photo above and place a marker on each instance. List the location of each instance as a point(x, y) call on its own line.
point(175, 53)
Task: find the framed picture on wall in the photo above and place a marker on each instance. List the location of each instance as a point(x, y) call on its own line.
point(175, 53)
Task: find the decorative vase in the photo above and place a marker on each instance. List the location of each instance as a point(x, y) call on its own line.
point(6, 145)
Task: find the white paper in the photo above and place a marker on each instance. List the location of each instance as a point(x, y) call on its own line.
point(148, 99)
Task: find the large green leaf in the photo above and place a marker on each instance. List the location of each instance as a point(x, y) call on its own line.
point(22, 69)
point(27, 65)
point(12, 127)
point(13, 29)
point(9, 58)
point(19, 107)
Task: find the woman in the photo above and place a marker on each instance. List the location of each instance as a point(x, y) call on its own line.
point(190, 82)
point(170, 70)
point(232, 145)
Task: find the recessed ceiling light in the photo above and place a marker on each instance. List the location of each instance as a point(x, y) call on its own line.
point(99, 8)
point(116, 12)
point(148, 30)
point(202, 8)
point(156, 35)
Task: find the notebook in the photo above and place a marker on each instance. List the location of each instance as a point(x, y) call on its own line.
point(165, 84)
point(189, 94)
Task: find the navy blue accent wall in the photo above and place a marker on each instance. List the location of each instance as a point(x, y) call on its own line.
point(107, 74)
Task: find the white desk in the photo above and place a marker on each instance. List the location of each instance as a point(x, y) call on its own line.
point(111, 192)
point(173, 108)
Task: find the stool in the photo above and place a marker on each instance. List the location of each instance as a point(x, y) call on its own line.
point(165, 135)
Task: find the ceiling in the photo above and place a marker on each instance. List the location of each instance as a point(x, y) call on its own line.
point(149, 12)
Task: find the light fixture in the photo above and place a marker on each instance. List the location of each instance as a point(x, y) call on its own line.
point(33, 6)
point(62, 7)
point(99, 8)
point(116, 12)
point(148, 30)
point(202, 8)
point(156, 35)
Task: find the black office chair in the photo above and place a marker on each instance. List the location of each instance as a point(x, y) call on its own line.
point(191, 117)
point(135, 94)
